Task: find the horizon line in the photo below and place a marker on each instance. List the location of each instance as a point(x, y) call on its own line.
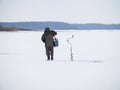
point(57, 21)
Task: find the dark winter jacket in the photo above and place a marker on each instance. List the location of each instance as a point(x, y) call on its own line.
point(47, 38)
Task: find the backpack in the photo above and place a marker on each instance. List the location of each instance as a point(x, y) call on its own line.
point(55, 42)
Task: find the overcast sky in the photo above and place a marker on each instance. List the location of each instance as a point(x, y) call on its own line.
point(72, 11)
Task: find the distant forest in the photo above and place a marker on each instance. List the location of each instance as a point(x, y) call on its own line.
point(59, 26)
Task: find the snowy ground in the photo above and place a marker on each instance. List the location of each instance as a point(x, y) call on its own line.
point(95, 65)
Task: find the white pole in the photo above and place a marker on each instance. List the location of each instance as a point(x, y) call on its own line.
point(68, 40)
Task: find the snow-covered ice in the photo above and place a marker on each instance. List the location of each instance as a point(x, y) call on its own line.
point(95, 65)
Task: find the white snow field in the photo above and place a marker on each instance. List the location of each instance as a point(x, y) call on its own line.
point(95, 65)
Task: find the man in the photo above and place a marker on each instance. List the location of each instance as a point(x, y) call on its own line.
point(47, 38)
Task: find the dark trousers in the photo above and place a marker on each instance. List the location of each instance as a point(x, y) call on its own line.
point(49, 52)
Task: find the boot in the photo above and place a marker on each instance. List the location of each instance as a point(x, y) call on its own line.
point(48, 57)
point(51, 58)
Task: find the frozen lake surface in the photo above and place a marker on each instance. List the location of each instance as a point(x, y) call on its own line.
point(95, 65)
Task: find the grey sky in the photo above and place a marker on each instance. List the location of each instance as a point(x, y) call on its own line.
point(73, 11)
